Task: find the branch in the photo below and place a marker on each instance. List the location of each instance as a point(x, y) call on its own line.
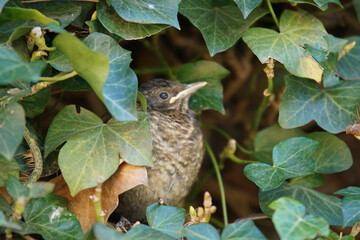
point(38, 161)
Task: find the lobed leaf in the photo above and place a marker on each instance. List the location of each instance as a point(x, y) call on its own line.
point(247, 6)
point(220, 22)
point(296, 29)
point(242, 230)
point(202, 231)
point(141, 11)
point(127, 30)
point(8, 168)
point(103, 232)
point(333, 108)
point(210, 96)
point(291, 158)
point(291, 222)
point(348, 65)
point(166, 219)
point(144, 232)
point(350, 205)
point(15, 188)
point(96, 146)
point(316, 203)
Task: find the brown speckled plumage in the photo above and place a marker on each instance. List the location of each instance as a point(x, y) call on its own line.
point(177, 150)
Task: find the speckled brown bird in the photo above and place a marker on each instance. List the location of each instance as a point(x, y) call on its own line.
point(177, 148)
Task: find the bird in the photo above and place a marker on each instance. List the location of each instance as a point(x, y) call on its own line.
point(177, 149)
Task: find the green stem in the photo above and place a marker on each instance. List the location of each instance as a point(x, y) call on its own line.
point(235, 159)
point(228, 137)
point(272, 13)
point(97, 201)
point(159, 57)
point(216, 222)
point(38, 161)
point(60, 77)
point(221, 185)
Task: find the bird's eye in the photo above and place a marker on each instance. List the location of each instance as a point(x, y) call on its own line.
point(163, 95)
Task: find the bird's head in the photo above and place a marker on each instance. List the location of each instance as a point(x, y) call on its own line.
point(164, 95)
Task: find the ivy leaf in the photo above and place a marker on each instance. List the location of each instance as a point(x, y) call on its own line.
point(316, 203)
point(15, 188)
point(266, 139)
point(296, 29)
point(291, 222)
point(13, 68)
point(348, 65)
point(12, 122)
point(202, 231)
point(333, 108)
point(141, 11)
point(127, 30)
point(96, 146)
point(40, 189)
point(96, 26)
point(90, 65)
point(120, 89)
point(333, 155)
point(8, 168)
point(322, 4)
point(220, 22)
point(210, 96)
point(46, 216)
point(102, 232)
point(74, 84)
point(58, 60)
point(2, 4)
point(357, 8)
point(309, 181)
point(247, 6)
point(350, 205)
point(329, 75)
point(144, 232)
point(291, 158)
point(242, 230)
point(5, 206)
point(35, 104)
point(18, 13)
point(166, 219)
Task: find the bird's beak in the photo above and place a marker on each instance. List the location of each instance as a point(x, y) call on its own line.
point(189, 89)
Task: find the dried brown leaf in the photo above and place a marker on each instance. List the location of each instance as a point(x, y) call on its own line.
point(126, 177)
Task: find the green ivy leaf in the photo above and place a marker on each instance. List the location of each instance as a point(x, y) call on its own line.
point(90, 65)
point(291, 222)
point(329, 75)
point(220, 22)
point(35, 104)
point(333, 155)
point(291, 158)
point(96, 146)
point(15, 188)
point(76, 83)
point(8, 168)
point(316, 203)
point(144, 232)
point(166, 219)
point(18, 13)
point(247, 6)
point(333, 108)
point(266, 139)
point(47, 216)
point(309, 181)
point(202, 231)
point(13, 68)
point(334, 44)
point(120, 89)
point(2, 4)
point(102, 232)
point(322, 4)
point(357, 8)
point(141, 11)
point(96, 26)
point(348, 67)
point(127, 30)
point(12, 122)
point(350, 205)
point(242, 230)
point(296, 29)
point(5, 206)
point(210, 96)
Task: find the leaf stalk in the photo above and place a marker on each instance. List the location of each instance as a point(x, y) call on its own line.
point(272, 13)
point(38, 161)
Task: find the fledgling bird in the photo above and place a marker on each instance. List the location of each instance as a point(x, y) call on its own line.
point(177, 148)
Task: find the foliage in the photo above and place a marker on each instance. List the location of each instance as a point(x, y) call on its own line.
point(80, 46)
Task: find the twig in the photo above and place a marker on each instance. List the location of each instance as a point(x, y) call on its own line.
point(273, 13)
point(237, 160)
point(38, 161)
point(256, 216)
point(267, 93)
point(221, 185)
